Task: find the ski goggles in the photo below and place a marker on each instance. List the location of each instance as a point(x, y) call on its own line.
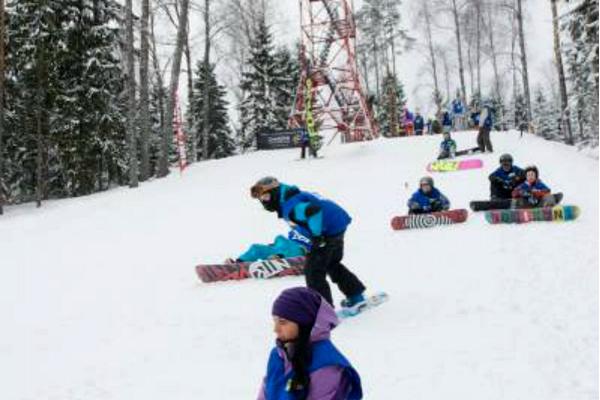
point(258, 191)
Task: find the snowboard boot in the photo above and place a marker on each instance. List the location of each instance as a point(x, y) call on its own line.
point(353, 301)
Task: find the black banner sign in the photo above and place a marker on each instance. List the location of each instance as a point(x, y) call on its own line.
point(279, 139)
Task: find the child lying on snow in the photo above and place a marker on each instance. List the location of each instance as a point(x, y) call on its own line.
point(296, 244)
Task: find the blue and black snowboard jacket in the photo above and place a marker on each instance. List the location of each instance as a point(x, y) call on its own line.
point(430, 202)
point(419, 123)
point(317, 216)
point(510, 178)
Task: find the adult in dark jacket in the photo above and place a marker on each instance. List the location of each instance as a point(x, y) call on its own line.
point(427, 199)
point(505, 179)
point(325, 223)
point(419, 124)
point(305, 364)
point(447, 121)
point(485, 127)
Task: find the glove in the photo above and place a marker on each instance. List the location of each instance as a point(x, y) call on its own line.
point(414, 206)
point(436, 204)
point(319, 242)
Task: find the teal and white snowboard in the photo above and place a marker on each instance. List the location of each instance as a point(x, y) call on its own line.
point(370, 302)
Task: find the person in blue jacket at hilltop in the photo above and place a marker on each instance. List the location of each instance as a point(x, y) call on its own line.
point(304, 364)
point(295, 244)
point(447, 121)
point(505, 179)
point(427, 199)
point(533, 192)
point(325, 223)
point(419, 123)
point(458, 111)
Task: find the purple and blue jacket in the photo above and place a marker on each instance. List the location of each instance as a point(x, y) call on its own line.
point(332, 377)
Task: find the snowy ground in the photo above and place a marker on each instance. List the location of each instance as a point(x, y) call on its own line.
point(99, 299)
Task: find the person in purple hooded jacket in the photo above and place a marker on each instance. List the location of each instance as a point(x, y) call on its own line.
point(304, 364)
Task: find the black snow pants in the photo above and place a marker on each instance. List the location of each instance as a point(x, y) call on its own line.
point(325, 259)
point(483, 140)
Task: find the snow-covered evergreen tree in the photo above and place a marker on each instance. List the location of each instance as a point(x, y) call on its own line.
point(545, 116)
point(65, 130)
point(285, 82)
point(258, 111)
point(580, 28)
point(390, 105)
point(220, 142)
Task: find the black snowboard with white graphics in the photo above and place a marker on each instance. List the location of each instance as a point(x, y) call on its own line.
point(467, 151)
point(504, 204)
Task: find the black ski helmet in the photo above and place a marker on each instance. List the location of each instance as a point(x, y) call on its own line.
point(534, 169)
point(263, 185)
point(506, 158)
point(426, 180)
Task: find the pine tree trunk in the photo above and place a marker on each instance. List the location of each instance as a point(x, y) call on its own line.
point(376, 60)
point(159, 77)
point(130, 82)
point(42, 82)
point(2, 194)
point(365, 71)
point(436, 86)
point(471, 73)
point(206, 105)
point(493, 54)
point(447, 75)
point(461, 69)
point(524, 70)
point(173, 85)
point(513, 56)
point(190, 117)
point(564, 102)
point(145, 123)
point(393, 44)
point(478, 41)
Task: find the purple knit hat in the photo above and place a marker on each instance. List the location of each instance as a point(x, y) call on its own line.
point(299, 305)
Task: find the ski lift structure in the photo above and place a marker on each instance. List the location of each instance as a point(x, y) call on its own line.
point(329, 94)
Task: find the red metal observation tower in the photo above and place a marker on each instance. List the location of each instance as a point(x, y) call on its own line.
point(329, 94)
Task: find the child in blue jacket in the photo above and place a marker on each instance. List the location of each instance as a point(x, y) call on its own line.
point(427, 199)
point(533, 192)
point(294, 245)
point(447, 147)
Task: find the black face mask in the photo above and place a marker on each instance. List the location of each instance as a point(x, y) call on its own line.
point(272, 205)
point(269, 205)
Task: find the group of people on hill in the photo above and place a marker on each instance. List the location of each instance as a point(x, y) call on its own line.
point(454, 117)
point(523, 187)
point(304, 364)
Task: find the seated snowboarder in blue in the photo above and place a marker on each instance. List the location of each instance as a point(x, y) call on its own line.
point(427, 199)
point(533, 192)
point(325, 224)
point(447, 147)
point(305, 364)
point(505, 179)
point(296, 244)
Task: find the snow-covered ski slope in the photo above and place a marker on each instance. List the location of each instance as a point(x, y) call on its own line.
point(99, 299)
